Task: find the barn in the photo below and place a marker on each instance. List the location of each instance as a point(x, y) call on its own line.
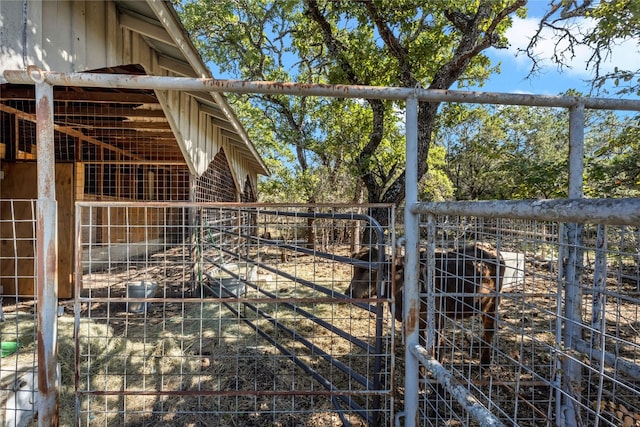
point(141, 143)
point(110, 144)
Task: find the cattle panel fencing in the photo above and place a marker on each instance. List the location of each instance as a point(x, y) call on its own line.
point(246, 321)
point(527, 384)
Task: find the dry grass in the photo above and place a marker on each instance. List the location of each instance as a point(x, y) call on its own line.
point(205, 364)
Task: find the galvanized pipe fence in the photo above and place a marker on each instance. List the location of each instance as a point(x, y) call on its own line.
point(572, 211)
point(287, 307)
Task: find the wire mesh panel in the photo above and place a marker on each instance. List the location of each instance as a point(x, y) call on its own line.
point(18, 332)
point(225, 315)
point(518, 374)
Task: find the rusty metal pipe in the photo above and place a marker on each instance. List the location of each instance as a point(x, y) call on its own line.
point(126, 81)
point(467, 400)
point(46, 258)
point(411, 304)
point(602, 211)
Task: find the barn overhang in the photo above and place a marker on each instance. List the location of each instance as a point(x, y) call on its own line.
point(203, 109)
point(168, 127)
point(128, 37)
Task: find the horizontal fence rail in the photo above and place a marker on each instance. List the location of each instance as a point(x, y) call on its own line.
point(604, 211)
point(563, 396)
point(126, 81)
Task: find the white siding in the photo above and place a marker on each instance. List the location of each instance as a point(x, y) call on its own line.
point(74, 36)
point(63, 36)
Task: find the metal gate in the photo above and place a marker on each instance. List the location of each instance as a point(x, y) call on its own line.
point(535, 378)
point(228, 315)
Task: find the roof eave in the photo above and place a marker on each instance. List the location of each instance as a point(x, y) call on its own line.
point(170, 20)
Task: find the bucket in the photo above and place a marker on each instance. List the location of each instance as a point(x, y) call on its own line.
point(9, 347)
point(228, 287)
point(140, 290)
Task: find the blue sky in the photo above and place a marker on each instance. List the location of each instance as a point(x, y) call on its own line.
point(550, 81)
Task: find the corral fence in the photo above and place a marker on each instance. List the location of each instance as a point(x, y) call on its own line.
point(241, 318)
point(529, 382)
point(566, 351)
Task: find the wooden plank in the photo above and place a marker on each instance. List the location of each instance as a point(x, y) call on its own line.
point(79, 36)
point(84, 123)
point(135, 48)
point(133, 23)
point(194, 125)
point(111, 39)
point(178, 67)
point(92, 111)
point(97, 39)
point(126, 46)
point(136, 162)
point(144, 54)
point(65, 196)
point(79, 182)
point(17, 240)
point(99, 97)
point(18, 248)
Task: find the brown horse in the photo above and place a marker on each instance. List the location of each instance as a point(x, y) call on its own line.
point(470, 279)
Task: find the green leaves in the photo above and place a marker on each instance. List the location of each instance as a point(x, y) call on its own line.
point(325, 146)
point(613, 161)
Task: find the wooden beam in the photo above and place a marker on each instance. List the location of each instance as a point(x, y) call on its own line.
point(178, 67)
point(214, 113)
point(132, 134)
point(108, 124)
point(93, 111)
point(18, 113)
point(28, 94)
point(155, 136)
point(138, 25)
point(233, 136)
point(73, 132)
point(204, 97)
point(215, 120)
point(137, 162)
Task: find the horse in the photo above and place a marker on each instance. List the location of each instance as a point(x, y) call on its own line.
point(467, 283)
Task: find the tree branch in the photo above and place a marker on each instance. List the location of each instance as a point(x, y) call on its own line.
point(392, 43)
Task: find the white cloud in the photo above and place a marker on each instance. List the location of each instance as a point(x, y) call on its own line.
point(623, 55)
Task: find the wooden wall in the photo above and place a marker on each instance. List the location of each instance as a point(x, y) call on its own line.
point(18, 240)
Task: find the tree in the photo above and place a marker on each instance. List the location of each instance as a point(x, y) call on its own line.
point(517, 152)
point(254, 40)
point(431, 44)
point(391, 43)
point(435, 185)
point(612, 157)
point(474, 138)
point(612, 22)
point(506, 152)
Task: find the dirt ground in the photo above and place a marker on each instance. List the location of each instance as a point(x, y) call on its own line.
point(198, 362)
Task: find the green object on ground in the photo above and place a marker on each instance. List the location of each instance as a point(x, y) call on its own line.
point(8, 348)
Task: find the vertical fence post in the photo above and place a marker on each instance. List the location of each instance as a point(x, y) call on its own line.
point(598, 306)
point(194, 236)
point(598, 300)
point(411, 295)
point(573, 274)
point(46, 256)
point(431, 288)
